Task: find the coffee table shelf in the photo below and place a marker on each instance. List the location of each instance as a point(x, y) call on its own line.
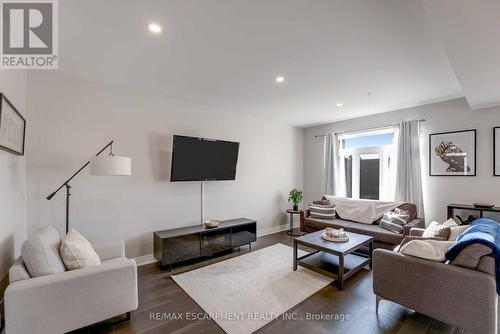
point(328, 264)
point(336, 260)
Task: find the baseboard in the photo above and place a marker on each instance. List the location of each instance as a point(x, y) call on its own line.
point(148, 259)
point(274, 229)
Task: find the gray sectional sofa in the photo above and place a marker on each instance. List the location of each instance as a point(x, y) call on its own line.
point(459, 296)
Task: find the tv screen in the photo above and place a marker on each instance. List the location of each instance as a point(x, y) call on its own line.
point(203, 159)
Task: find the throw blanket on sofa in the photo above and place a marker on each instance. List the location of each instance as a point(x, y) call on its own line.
point(361, 210)
point(483, 231)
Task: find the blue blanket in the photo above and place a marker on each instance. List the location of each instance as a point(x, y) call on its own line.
point(483, 231)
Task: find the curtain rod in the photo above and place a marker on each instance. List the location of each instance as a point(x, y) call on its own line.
point(380, 127)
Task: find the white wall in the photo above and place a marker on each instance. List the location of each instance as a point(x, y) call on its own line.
point(12, 180)
point(438, 190)
point(73, 119)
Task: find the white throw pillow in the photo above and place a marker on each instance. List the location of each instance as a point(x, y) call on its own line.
point(450, 223)
point(40, 253)
point(77, 252)
point(427, 249)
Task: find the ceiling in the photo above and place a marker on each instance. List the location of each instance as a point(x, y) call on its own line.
point(469, 32)
point(371, 56)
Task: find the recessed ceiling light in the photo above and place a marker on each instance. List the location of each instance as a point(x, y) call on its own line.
point(339, 105)
point(280, 79)
point(154, 28)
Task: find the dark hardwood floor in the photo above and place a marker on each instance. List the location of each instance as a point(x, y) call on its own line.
point(159, 294)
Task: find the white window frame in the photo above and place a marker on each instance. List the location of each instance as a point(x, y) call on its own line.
point(387, 175)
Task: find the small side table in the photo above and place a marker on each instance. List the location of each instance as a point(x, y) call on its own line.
point(292, 212)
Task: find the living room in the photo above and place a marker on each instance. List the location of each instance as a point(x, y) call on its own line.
point(285, 166)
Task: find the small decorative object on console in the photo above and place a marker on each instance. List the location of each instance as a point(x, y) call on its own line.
point(484, 205)
point(212, 223)
point(335, 235)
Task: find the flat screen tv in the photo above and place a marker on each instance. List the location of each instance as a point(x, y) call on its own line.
point(203, 159)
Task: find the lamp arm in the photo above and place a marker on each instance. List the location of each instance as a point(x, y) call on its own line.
point(78, 171)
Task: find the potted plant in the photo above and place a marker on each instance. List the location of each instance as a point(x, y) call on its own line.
point(295, 197)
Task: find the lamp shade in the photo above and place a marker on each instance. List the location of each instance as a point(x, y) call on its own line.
point(110, 165)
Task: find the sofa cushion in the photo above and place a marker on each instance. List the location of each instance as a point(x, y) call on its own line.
point(394, 221)
point(437, 230)
point(426, 249)
point(322, 211)
point(77, 252)
point(455, 231)
point(18, 271)
point(411, 238)
point(470, 256)
point(378, 233)
point(321, 224)
point(40, 253)
point(487, 265)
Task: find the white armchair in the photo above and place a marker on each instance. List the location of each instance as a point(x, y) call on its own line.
point(70, 300)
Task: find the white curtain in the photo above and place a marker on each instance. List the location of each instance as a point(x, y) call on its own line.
point(334, 167)
point(408, 175)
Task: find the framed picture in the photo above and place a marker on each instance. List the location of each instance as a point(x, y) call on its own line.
point(496, 151)
point(12, 127)
point(452, 153)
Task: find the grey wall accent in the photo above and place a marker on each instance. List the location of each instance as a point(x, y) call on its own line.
point(72, 119)
point(438, 190)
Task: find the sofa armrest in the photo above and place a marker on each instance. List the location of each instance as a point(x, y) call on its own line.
point(441, 291)
point(84, 296)
point(18, 271)
point(417, 222)
point(110, 250)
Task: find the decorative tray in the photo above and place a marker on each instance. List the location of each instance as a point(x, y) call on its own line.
point(484, 205)
point(344, 239)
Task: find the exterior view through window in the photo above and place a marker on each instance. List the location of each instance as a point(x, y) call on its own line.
point(369, 165)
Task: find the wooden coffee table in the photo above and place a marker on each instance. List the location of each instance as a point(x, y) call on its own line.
point(338, 260)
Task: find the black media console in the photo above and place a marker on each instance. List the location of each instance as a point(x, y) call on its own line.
point(187, 243)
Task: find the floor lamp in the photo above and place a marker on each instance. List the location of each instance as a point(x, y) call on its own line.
point(99, 165)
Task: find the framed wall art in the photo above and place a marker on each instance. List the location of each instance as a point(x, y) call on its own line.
point(12, 127)
point(452, 153)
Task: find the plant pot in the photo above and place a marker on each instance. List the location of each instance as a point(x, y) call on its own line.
point(295, 207)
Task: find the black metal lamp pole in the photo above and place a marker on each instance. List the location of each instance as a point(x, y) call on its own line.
point(68, 194)
point(68, 187)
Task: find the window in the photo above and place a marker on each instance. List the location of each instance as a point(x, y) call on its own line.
point(369, 168)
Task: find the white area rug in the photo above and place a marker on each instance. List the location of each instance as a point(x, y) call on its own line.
point(244, 293)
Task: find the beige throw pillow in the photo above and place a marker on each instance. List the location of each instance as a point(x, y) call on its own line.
point(455, 231)
point(77, 252)
point(437, 230)
point(427, 249)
